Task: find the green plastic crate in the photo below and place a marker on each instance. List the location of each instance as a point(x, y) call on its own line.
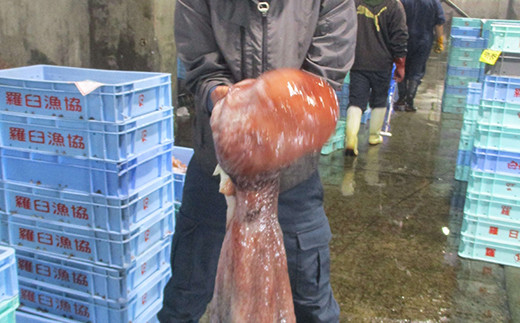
point(505, 38)
point(452, 80)
point(466, 142)
point(471, 112)
point(8, 308)
point(464, 53)
point(333, 144)
point(488, 23)
point(453, 103)
point(462, 172)
point(467, 62)
point(466, 22)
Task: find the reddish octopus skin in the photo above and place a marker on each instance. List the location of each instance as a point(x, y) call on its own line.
point(259, 127)
point(264, 124)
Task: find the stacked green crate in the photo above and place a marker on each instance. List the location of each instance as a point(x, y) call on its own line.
point(464, 66)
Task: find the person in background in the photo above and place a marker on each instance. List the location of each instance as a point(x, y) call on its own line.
point(222, 42)
point(381, 42)
point(423, 17)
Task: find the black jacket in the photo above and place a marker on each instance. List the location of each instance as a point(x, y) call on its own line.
point(382, 35)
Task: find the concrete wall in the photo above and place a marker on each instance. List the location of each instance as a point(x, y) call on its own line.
point(109, 34)
point(489, 9)
point(45, 31)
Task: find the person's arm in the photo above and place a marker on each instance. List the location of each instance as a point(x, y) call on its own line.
point(439, 29)
point(439, 36)
point(398, 37)
point(198, 50)
point(331, 54)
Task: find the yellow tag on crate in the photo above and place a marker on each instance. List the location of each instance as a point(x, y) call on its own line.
point(490, 56)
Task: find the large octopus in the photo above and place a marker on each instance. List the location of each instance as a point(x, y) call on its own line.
point(259, 127)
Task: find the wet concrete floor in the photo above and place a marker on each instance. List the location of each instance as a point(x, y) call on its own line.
point(395, 212)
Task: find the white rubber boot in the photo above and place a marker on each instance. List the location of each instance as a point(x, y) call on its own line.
point(377, 118)
point(352, 128)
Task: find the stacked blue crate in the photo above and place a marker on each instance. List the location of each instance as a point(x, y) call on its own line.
point(182, 155)
point(86, 190)
point(469, 124)
point(337, 139)
point(464, 66)
point(9, 299)
point(491, 223)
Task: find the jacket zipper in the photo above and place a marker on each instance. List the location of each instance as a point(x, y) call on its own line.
point(263, 8)
point(242, 52)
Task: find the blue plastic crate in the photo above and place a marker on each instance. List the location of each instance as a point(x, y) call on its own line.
point(463, 71)
point(503, 89)
point(500, 253)
point(343, 99)
point(78, 243)
point(365, 117)
point(468, 42)
point(183, 154)
point(465, 31)
point(52, 91)
point(88, 210)
point(474, 93)
point(457, 91)
point(29, 315)
point(463, 165)
point(494, 230)
point(495, 184)
point(105, 141)
point(497, 137)
point(8, 277)
point(504, 37)
point(464, 157)
point(111, 179)
point(496, 161)
point(39, 317)
point(492, 207)
point(60, 302)
point(87, 279)
point(500, 113)
point(7, 309)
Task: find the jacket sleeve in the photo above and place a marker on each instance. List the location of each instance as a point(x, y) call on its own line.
point(331, 53)
point(398, 31)
point(198, 50)
point(439, 17)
